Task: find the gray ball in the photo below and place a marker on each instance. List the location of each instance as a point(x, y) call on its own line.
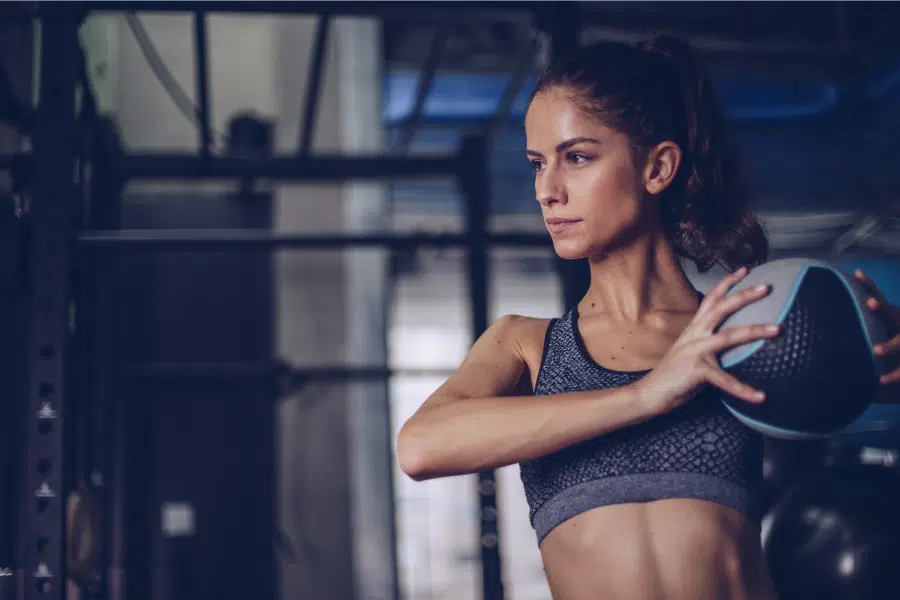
point(820, 374)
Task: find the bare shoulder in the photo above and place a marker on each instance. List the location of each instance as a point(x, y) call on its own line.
point(528, 334)
point(504, 360)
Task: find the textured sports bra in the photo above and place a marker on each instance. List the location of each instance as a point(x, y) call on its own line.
point(697, 451)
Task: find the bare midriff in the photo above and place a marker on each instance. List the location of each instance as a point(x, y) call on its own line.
point(678, 549)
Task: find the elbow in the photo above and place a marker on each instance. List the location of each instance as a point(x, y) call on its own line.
point(413, 455)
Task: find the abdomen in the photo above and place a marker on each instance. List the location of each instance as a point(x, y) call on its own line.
point(667, 550)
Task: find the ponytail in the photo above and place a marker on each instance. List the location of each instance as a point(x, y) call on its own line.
point(658, 91)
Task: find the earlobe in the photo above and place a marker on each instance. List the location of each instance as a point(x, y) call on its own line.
point(662, 166)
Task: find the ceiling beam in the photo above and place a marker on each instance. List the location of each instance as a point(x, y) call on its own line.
point(715, 43)
point(424, 12)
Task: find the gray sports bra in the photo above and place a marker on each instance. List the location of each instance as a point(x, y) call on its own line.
point(697, 451)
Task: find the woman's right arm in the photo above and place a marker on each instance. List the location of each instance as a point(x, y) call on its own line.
point(476, 421)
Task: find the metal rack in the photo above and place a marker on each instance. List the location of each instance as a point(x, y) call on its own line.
point(54, 140)
point(59, 244)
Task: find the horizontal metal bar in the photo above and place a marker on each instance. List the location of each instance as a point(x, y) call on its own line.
point(207, 239)
point(266, 370)
point(310, 168)
point(286, 168)
point(454, 11)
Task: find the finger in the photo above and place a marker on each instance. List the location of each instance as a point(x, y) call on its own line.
point(720, 290)
point(733, 386)
point(867, 283)
point(712, 319)
point(889, 378)
point(872, 288)
point(892, 346)
point(735, 336)
point(879, 304)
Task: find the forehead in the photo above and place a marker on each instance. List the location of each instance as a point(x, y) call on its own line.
point(554, 116)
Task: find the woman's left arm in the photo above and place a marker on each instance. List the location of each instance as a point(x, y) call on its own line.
point(890, 381)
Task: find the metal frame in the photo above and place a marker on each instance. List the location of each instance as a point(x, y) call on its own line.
point(426, 79)
point(313, 85)
point(437, 12)
point(55, 236)
point(47, 466)
point(285, 168)
point(201, 60)
point(471, 171)
point(475, 186)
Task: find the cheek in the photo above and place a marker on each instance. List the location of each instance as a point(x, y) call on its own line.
point(609, 190)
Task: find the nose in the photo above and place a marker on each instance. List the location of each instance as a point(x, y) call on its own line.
point(548, 188)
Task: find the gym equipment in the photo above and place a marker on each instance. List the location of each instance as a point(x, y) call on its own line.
point(785, 462)
point(58, 244)
point(836, 536)
point(820, 374)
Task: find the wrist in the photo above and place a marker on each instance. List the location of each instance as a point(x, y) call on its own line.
point(647, 403)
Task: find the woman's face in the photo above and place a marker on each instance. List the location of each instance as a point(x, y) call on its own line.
point(592, 195)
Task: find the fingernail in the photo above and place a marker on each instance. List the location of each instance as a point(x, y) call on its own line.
point(761, 287)
point(772, 328)
point(872, 302)
point(759, 396)
point(879, 349)
point(858, 273)
point(742, 270)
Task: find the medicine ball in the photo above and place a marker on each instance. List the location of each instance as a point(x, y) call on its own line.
point(820, 374)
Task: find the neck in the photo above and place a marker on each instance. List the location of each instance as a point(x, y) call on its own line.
point(636, 279)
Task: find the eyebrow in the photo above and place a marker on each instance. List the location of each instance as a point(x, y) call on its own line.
point(566, 145)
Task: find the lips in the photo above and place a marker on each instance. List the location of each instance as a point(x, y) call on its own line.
point(559, 224)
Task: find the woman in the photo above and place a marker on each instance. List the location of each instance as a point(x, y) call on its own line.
point(641, 485)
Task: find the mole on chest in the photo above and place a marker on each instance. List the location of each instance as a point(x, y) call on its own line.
point(626, 349)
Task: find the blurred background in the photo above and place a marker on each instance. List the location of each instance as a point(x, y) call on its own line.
point(231, 392)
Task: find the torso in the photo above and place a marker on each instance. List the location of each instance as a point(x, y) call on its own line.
point(674, 549)
point(666, 549)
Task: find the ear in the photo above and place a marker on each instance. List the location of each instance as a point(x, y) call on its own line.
point(661, 167)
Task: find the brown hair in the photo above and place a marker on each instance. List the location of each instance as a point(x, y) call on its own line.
point(657, 91)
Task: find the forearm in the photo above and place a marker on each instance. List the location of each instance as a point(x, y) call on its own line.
point(480, 434)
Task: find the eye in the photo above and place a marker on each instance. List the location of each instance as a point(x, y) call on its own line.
point(577, 158)
point(536, 164)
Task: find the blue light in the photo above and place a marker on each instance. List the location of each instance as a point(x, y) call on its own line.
point(475, 97)
point(885, 272)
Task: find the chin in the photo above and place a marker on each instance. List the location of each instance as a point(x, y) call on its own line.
point(570, 249)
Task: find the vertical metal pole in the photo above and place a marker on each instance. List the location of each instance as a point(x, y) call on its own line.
point(313, 86)
point(475, 183)
point(524, 67)
point(426, 79)
point(46, 470)
point(102, 270)
point(201, 58)
point(18, 46)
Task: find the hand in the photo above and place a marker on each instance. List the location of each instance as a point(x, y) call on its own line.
point(891, 314)
point(693, 360)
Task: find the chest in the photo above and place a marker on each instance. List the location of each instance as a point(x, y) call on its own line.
point(625, 347)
